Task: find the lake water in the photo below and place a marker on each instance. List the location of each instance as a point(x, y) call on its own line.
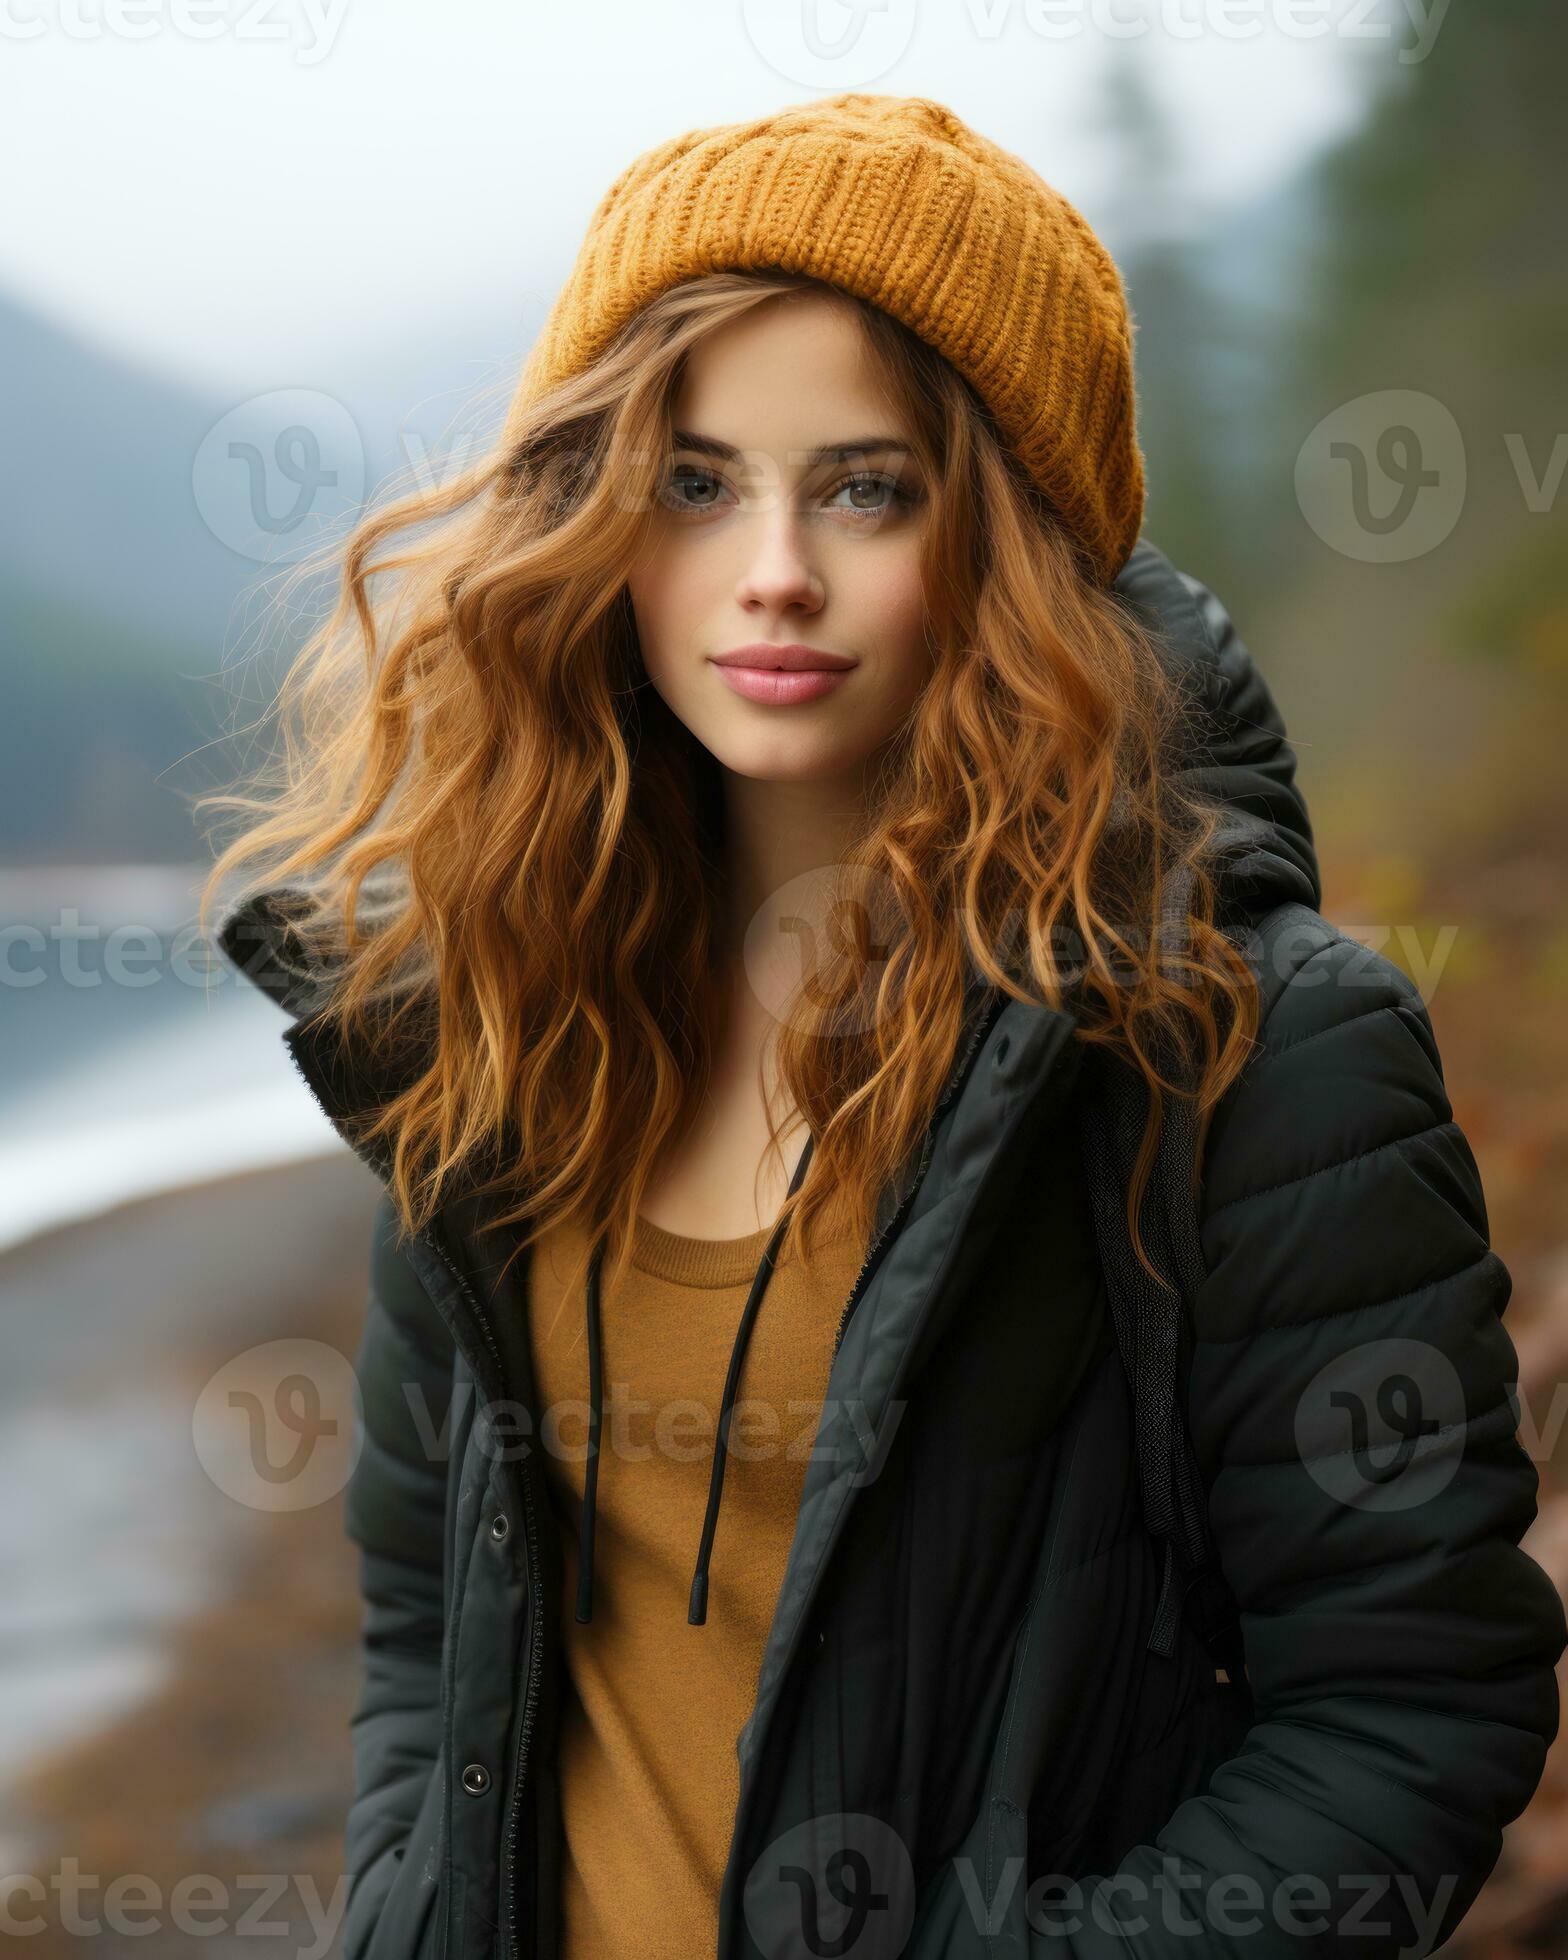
point(127, 1064)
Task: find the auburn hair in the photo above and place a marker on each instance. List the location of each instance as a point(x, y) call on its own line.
point(505, 832)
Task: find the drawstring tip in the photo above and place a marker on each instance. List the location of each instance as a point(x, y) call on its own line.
point(697, 1610)
point(585, 1592)
point(1162, 1637)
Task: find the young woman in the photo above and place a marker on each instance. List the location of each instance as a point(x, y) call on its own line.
point(934, 1371)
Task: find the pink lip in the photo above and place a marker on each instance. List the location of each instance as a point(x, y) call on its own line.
point(781, 675)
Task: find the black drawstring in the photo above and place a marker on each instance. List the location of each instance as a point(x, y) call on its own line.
point(591, 1467)
point(697, 1609)
point(1148, 1322)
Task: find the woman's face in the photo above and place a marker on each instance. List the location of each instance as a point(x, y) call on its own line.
point(789, 533)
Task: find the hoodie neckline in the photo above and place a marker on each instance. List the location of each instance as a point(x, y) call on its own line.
point(687, 1261)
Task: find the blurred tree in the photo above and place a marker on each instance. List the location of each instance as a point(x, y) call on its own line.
point(1181, 408)
point(1440, 263)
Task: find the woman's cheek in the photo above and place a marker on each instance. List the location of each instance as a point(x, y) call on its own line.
point(900, 611)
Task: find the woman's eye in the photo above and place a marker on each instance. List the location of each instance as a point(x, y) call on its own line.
point(686, 478)
point(871, 493)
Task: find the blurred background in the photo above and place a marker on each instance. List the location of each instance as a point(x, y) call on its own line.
point(254, 263)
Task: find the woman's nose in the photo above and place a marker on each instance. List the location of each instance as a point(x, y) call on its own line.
point(778, 571)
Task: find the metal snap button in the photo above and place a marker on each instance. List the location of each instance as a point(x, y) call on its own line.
point(500, 1525)
point(476, 1779)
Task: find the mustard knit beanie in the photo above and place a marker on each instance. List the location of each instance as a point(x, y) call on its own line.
point(895, 200)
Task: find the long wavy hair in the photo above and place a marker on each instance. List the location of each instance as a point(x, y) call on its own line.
point(472, 739)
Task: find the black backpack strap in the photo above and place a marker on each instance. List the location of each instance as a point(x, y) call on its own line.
point(1152, 1326)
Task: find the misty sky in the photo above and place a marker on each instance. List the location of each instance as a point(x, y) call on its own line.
point(223, 191)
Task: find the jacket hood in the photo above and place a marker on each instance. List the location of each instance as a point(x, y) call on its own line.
point(1235, 753)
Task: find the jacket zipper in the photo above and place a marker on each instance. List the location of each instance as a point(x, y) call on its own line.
point(982, 1026)
point(875, 1246)
point(977, 1034)
point(433, 1238)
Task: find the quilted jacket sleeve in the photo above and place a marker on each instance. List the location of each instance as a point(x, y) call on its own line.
point(1351, 1403)
point(395, 1512)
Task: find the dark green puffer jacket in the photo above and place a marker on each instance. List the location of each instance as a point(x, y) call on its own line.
point(968, 1737)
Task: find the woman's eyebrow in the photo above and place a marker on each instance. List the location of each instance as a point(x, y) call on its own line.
point(837, 452)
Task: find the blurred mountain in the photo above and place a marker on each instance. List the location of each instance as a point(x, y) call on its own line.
point(147, 531)
point(98, 504)
point(97, 711)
